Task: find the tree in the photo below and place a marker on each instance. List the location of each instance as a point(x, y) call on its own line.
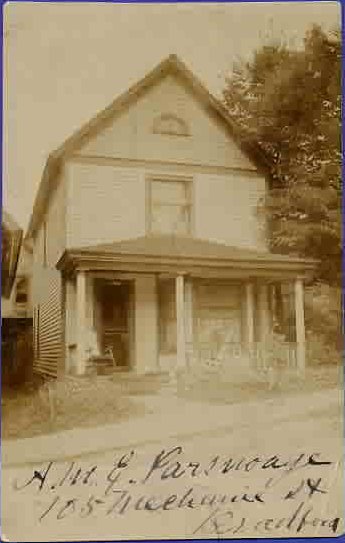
point(289, 103)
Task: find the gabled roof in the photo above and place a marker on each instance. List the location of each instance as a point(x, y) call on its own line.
point(171, 65)
point(188, 252)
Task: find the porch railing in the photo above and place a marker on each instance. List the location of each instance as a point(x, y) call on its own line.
point(258, 357)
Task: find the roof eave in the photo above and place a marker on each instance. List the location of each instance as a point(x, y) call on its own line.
point(72, 261)
point(43, 194)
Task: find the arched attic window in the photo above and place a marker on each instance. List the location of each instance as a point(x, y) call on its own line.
point(171, 125)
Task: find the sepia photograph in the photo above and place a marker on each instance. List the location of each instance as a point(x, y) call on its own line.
point(172, 331)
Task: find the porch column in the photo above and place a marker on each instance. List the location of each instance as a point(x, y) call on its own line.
point(66, 318)
point(145, 337)
point(81, 322)
point(264, 313)
point(180, 322)
point(62, 363)
point(189, 319)
point(249, 312)
point(273, 304)
point(300, 327)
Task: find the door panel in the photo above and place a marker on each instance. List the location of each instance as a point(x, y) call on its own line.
point(115, 321)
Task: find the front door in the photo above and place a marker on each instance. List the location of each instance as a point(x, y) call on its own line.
point(114, 303)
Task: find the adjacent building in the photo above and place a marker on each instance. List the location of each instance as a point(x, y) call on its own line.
point(16, 307)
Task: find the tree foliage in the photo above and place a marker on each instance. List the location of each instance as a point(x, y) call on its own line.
point(288, 101)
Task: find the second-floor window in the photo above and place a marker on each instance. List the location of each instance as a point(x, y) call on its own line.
point(170, 206)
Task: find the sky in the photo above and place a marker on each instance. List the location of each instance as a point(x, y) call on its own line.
point(65, 62)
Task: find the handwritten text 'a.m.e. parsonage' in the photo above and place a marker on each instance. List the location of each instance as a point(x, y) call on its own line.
point(237, 494)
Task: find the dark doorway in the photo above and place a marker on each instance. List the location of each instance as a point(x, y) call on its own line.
point(16, 351)
point(115, 321)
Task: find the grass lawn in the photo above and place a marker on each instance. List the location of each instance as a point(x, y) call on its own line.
point(31, 410)
point(217, 389)
point(35, 409)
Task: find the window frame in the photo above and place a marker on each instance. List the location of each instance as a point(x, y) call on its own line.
point(180, 129)
point(188, 180)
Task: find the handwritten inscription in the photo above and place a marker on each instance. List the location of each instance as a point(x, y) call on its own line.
point(229, 496)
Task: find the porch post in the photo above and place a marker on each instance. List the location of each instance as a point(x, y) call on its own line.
point(273, 304)
point(249, 310)
point(189, 319)
point(180, 322)
point(81, 321)
point(263, 323)
point(300, 326)
point(264, 314)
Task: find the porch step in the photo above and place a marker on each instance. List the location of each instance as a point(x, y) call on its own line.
point(100, 365)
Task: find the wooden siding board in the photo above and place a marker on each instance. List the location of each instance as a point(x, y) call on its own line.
point(104, 203)
point(47, 285)
point(131, 134)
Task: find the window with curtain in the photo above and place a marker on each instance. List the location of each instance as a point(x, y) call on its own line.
point(170, 207)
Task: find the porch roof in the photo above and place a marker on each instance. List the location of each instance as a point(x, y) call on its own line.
point(162, 253)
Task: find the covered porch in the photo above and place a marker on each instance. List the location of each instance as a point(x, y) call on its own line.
point(160, 304)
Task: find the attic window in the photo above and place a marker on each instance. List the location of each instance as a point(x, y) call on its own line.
point(170, 125)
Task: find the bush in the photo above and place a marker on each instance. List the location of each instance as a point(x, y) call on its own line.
point(82, 399)
point(323, 316)
point(319, 351)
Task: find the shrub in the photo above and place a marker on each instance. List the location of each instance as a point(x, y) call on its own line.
point(319, 351)
point(324, 315)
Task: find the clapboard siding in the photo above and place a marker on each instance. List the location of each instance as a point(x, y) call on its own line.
point(132, 135)
point(49, 328)
point(47, 287)
point(106, 200)
point(104, 203)
point(228, 208)
point(108, 203)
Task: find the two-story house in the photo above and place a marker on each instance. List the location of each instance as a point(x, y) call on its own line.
point(149, 239)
